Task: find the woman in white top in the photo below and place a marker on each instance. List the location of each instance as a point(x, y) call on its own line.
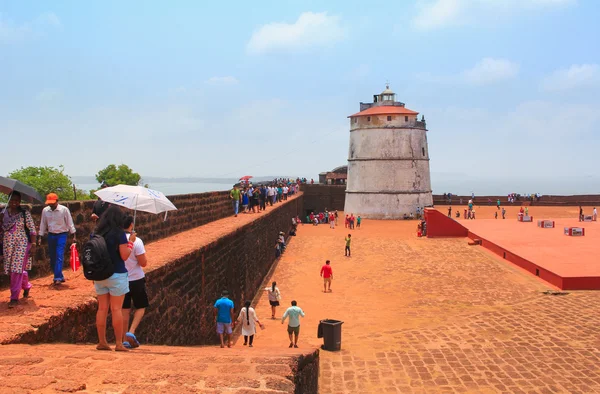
point(274, 297)
point(248, 319)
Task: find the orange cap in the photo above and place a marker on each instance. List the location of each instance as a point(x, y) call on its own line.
point(51, 198)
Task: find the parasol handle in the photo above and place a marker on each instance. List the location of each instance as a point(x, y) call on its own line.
point(135, 212)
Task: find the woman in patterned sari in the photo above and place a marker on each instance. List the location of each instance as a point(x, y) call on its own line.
point(17, 236)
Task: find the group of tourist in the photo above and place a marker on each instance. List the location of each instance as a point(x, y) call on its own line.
point(254, 199)
point(582, 215)
point(124, 289)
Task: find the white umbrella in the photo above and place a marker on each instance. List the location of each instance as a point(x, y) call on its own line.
point(137, 198)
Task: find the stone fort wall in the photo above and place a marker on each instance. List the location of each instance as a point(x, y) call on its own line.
point(193, 210)
point(182, 292)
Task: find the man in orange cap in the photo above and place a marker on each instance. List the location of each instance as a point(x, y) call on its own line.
point(57, 223)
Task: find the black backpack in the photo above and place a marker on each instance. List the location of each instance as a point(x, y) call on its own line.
point(97, 264)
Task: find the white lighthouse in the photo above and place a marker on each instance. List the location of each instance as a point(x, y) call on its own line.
point(388, 160)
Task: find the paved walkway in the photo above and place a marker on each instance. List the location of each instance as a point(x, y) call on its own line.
point(149, 369)
point(434, 315)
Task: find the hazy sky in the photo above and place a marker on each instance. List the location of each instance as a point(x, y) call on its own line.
point(509, 88)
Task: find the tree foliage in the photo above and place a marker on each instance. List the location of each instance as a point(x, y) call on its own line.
point(121, 175)
point(48, 180)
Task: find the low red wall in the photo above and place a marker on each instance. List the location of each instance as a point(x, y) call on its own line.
point(440, 225)
point(577, 283)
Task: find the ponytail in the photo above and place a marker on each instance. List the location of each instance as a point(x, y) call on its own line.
point(273, 286)
point(248, 312)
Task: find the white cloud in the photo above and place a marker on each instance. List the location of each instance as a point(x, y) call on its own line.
point(489, 70)
point(433, 14)
point(310, 30)
point(227, 80)
point(578, 75)
point(486, 71)
point(47, 95)
point(13, 32)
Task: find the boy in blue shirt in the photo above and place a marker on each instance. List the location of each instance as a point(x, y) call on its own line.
point(223, 311)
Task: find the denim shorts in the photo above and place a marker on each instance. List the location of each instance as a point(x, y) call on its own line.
point(224, 328)
point(116, 285)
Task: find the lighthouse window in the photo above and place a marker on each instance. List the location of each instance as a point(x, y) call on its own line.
point(368, 118)
point(389, 118)
point(355, 120)
point(406, 118)
point(423, 150)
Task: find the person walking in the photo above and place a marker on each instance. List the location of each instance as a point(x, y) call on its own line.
point(17, 239)
point(580, 214)
point(223, 312)
point(137, 287)
point(111, 292)
point(503, 213)
point(347, 250)
point(274, 298)
point(57, 223)
point(498, 204)
point(249, 319)
point(594, 215)
point(331, 220)
point(358, 220)
point(293, 312)
point(327, 275)
point(235, 198)
point(449, 212)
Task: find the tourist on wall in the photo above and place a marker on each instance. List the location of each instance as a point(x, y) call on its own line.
point(449, 211)
point(223, 312)
point(263, 197)
point(347, 221)
point(327, 275)
point(503, 213)
point(17, 239)
point(255, 203)
point(580, 214)
point(347, 249)
point(358, 220)
point(293, 312)
point(279, 193)
point(595, 215)
point(111, 291)
point(137, 287)
point(285, 191)
point(274, 298)
point(57, 223)
point(235, 196)
point(352, 219)
point(331, 221)
point(245, 201)
point(336, 217)
point(249, 319)
point(498, 204)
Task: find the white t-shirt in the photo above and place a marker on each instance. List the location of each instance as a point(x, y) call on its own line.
point(133, 267)
point(285, 190)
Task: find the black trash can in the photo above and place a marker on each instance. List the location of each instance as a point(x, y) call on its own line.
point(331, 331)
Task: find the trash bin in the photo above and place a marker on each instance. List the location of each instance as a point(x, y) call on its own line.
point(331, 331)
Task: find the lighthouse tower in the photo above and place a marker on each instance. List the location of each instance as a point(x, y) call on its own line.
point(388, 160)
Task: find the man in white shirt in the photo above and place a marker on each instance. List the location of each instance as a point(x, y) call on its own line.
point(56, 223)
point(137, 287)
point(285, 192)
point(271, 193)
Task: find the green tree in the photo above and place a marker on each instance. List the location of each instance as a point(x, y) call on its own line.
point(48, 180)
point(122, 175)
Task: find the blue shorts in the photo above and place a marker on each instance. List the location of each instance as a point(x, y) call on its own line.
point(224, 327)
point(116, 285)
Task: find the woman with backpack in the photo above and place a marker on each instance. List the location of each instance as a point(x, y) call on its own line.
point(111, 291)
point(17, 237)
point(249, 319)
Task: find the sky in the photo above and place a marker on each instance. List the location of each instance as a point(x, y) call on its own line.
point(510, 89)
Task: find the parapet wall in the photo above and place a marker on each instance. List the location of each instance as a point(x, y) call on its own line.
point(182, 291)
point(546, 200)
point(193, 210)
point(319, 197)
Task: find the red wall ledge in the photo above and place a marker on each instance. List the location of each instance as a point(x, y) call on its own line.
point(563, 283)
point(441, 226)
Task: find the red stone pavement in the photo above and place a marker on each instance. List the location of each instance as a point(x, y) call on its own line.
point(420, 315)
